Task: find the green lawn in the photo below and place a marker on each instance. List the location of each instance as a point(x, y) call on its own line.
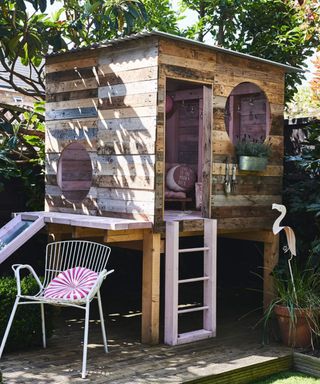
point(289, 378)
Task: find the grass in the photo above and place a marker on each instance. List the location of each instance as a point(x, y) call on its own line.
point(289, 378)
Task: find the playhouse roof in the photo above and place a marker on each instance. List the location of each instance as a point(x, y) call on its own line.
point(144, 34)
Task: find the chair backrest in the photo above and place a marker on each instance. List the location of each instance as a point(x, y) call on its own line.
point(63, 255)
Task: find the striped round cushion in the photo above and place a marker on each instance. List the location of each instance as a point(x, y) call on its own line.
point(72, 284)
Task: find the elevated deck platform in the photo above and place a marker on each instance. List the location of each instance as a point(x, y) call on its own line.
point(76, 220)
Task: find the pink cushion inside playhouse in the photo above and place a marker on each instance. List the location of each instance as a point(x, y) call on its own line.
point(72, 284)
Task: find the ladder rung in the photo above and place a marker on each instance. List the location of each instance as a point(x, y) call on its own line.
point(180, 311)
point(193, 279)
point(185, 250)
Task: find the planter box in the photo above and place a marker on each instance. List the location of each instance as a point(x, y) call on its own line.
point(252, 163)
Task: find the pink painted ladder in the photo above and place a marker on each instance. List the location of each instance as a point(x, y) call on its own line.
point(172, 283)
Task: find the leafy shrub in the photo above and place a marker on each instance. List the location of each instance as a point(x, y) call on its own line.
point(26, 328)
point(302, 191)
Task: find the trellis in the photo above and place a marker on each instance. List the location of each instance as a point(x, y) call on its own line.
point(11, 115)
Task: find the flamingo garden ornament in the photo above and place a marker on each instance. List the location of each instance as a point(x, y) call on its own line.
point(291, 239)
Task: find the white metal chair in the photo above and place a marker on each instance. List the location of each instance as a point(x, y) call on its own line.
point(63, 256)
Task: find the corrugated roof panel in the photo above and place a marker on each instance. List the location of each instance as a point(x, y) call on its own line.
point(141, 35)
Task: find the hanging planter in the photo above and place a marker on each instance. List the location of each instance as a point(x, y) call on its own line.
point(253, 154)
point(252, 163)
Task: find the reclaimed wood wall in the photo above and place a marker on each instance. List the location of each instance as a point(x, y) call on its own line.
point(106, 100)
point(249, 206)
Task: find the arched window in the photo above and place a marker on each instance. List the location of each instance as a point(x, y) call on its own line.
point(247, 113)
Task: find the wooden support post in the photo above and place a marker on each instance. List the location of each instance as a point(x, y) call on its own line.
point(270, 260)
point(150, 287)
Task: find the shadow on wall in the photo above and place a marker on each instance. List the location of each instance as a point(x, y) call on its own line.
point(110, 109)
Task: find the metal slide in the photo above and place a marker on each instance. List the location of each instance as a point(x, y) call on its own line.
point(17, 232)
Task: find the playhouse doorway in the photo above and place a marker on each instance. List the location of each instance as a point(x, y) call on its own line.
point(188, 111)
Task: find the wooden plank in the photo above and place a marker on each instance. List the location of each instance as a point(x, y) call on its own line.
point(125, 60)
point(137, 100)
point(71, 74)
point(132, 147)
point(126, 206)
point(171, 283)
point(187, 74)
point(76, 125)
point(126, 235)
point(245, 211)
point(245, 200)
point(187, 51)
point(250, 63)
point(128, 182)
point(177, 61)
point(307, 364)
point(248, 373)
point(144, 123)
point(106, 223)
point(150, 288)
point(70, 104)
point(129, 76)
point(247, 188)
point(83, 232)
point(71, 61)
point(238, 224)
point(125, 194)
point(120, 113)
point(73, 113)
point(139, 135)
point(207, 152)
point(72, 85)
point(71, 95)
point(134, 88)
point(270, 260)
point(271, 170)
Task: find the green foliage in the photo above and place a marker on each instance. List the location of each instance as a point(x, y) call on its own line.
point(275, 30)
point(27, 36)
point(250, 147)
point(161, 16)
point(289, 378)
point(301, 194)
point(22, 153)
point(303, 104)
point(26, 327)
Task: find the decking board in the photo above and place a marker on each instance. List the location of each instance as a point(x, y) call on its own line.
point(130, 362)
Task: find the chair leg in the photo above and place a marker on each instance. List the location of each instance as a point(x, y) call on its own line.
point(103, 329)
point(43, 324)
point(5, 336)
point(85, 341)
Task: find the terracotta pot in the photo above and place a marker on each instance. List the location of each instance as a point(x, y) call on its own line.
point(297, 335)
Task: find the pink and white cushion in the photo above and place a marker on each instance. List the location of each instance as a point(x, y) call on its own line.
point(72, 284)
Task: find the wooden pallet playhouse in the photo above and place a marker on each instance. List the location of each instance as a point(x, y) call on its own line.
point(140, 135)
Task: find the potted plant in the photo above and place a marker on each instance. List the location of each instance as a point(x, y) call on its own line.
point(253, 154)
point(296, 304)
